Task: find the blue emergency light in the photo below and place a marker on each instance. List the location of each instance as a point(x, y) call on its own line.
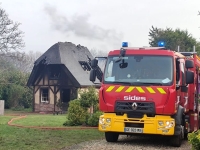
point(161, 44)
point(124, 44)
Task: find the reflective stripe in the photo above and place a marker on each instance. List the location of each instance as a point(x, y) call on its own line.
point(161, 90)
point(130, 89)
point(120, 89)
point(140, 89)
point(150, 90)
point(110, 88)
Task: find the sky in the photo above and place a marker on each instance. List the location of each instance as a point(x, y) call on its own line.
point(101, 25)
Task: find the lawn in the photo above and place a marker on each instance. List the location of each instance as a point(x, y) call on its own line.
point(42, 120)
point(30, 139)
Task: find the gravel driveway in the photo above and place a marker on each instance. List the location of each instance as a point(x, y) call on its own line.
point(131, 143)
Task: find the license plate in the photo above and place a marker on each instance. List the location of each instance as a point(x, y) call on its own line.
point(133, 130)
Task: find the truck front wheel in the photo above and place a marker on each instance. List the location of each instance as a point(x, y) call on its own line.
point(111, 136)
point(176, 140)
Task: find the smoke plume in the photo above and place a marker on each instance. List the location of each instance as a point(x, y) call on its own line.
point(79, 25)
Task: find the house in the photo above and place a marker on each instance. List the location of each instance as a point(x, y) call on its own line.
point(58, 74)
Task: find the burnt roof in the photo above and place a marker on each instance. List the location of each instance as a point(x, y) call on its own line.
point(68, 54)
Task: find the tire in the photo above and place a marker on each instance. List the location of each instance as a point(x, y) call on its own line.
point(185, 136)
point(111, 136)
point(176, 140)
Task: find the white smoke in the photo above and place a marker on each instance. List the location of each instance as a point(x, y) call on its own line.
point(79, 25)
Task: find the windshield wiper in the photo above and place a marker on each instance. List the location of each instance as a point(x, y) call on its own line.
point(126, 83)
point(137, 83)
point(145, 83)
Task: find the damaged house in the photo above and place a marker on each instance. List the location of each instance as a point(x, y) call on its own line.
point(58, 74)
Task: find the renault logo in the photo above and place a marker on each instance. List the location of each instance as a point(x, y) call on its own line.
point(134, 106)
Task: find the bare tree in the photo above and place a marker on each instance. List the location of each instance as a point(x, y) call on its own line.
point(24, 64)
point(10, 35)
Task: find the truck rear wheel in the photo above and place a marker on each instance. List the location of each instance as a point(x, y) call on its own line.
point(111, 136)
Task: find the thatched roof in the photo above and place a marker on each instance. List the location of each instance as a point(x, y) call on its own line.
point(71, 56)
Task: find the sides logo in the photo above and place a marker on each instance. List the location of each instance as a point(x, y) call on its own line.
point(137, 98)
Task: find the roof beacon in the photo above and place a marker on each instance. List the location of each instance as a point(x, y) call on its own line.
point(124, 44)
point(161, 44)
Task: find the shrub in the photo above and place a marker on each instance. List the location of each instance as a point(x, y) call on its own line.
point(18, 108)
point(89, 98)
point(194, 139)
point(94, 119)
point(77, 115)
point(96, 107)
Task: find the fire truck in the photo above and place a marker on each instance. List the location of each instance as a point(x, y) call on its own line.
point(148, 90)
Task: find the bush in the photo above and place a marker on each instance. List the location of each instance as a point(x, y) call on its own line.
point(89, 98)
point(18, 108)
point(194, 139)
point(77, 115)
point(94, 119)
point(96, 107)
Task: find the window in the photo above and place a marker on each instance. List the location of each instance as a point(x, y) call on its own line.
point(45, 95)
point(54, 72)
point(177, 72)
point(183, 73)
point(85, 65)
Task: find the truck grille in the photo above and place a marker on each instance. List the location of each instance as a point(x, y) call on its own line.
point(137, 107)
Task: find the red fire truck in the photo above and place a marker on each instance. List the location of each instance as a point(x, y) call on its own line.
point(148, 90)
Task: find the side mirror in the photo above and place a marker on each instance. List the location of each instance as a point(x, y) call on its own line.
point(123, 65)
point(92, 75)
point(94, 63)
point(189, 64)
point(189, 77)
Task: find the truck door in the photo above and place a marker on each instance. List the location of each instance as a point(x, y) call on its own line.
point(184, 90)
point(178, 82)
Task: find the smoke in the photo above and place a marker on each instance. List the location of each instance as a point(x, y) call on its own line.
point(79, 25)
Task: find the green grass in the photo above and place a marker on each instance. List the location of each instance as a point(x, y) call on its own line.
point(42, 120)
point(36, 139)
point(11, 111)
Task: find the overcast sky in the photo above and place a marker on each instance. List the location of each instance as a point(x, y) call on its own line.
point(99, 24)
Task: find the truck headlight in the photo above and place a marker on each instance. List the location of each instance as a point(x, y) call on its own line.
point(169, 124)
point(160, 123)
point(108, 120)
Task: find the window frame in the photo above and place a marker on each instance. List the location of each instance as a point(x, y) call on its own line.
point(41, 95)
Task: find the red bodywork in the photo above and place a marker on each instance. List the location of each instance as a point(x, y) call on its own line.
point(193, 95)
point(165, 104)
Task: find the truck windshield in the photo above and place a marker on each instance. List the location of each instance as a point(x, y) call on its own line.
point(139, 70)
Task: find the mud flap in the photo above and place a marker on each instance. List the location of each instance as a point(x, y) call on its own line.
point(177, 130)
point(178, 115)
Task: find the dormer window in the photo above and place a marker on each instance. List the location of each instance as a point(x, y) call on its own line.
point(54, 72)
point(54, 75)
